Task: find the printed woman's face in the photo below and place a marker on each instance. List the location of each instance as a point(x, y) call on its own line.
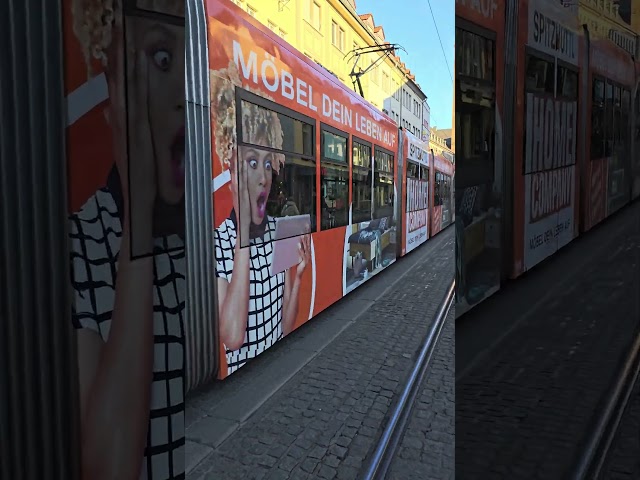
point(259, 165)
point(163, 44)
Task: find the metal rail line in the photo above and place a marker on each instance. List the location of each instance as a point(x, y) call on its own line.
point(592, 458)
point(394, 431)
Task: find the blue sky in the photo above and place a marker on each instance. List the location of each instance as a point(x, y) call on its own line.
point(409, 23)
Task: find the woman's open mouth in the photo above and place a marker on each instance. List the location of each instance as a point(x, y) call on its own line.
point(177, 159)
point(261, 203)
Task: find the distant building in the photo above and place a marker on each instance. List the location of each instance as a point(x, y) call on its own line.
point(440, 143)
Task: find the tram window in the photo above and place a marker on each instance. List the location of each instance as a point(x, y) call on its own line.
point(624, 115)
point(477, 139)
point(424, 174)
point(567, 83)
point(597, 119)
point(438, 190)
point(334, 147)
point(474, 57)
point(361, 183)
point(279, 152)
point(445, 190)
point(297, 136)
point(617, 116)
point(383, 184)
point(413, 170)
point(608, 122)
point(334, 181)
point(540, 75)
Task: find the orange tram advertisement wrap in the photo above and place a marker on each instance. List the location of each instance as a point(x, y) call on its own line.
point(545, 150)
point(314, 190)
point(442, 198)
point(216, 203)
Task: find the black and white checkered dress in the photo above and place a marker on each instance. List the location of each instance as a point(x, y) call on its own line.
point(96, 233)
point(266, 294)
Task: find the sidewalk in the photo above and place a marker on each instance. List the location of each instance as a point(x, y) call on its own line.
point(315, 406)
point(534, 362)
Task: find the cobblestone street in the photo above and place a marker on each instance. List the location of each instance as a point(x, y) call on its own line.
point(525, 407)
point(623, 458)
point(326, 420)
point(428, 447)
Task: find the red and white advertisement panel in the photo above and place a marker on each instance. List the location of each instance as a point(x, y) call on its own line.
point(550, 143)
point(415, 202)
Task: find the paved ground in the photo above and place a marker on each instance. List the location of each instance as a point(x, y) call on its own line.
point(428, 447)
point(343, 376)
point(623, 459)
point(534, 363)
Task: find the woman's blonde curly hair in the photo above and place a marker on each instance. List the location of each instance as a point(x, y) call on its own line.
point(93, 22)
point(259, 125)
point(93, 26)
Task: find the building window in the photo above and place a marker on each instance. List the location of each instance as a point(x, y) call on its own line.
point(312, 13)
point(385, 82)
point(283, 34)
point(272, 26)
point(337, 36)
point(374, 72)
point(251, 11)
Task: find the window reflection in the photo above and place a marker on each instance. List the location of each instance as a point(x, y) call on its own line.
point(296, 136)
point(383, 185)
point(474, 55)
point(279, 151)
point(540, 76)
point(362, 182)
point(334, 179)
point(597, 119)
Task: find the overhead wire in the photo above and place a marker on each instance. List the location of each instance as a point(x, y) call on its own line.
point(440, 39)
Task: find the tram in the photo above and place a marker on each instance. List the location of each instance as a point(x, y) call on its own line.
point(544, 130)
point(277, 189)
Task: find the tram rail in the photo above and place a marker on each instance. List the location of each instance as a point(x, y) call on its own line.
point(393, 433)
point(594, 456)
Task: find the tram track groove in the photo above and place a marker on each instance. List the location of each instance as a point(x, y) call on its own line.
point(383, 456)
point(594, 456)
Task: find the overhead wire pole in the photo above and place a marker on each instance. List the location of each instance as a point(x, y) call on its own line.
point(357, 52)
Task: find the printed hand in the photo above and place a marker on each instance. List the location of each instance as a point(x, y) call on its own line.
point(304, 248)
point(141, 171)
point(136, 165)
point(241, 202)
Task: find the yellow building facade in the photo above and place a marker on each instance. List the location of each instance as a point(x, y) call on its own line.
point(326, 31)
point(437, 142)
point(618, 20)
